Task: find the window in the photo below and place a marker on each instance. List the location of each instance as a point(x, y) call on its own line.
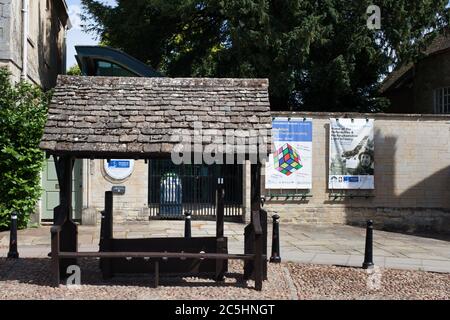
point(442, 100)
point(105, 68)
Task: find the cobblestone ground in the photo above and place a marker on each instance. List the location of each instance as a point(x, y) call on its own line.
point(30, 279)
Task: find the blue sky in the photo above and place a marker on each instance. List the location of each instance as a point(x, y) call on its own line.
point(76, 36)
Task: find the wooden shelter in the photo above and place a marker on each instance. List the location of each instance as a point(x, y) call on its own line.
point(145, 118)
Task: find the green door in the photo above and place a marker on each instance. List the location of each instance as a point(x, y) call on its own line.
point(50, 197)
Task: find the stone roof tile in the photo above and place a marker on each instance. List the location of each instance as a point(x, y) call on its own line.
point(148, 116)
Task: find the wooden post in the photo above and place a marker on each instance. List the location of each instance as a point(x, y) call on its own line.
point(259, 232)
point(255, 187)
point(156, 273)
point(220, 197)
point(258, 245)
point(54, 231)
point(220, 240)
point(106, 235)
point(68, 235)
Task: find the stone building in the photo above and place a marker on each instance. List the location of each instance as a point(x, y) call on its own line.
point(422, 87)
point(32, 39)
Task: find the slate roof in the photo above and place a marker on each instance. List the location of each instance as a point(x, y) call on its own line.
point(144, 117)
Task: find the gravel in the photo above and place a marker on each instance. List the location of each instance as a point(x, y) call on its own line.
point(31, 278)
point(333, 282)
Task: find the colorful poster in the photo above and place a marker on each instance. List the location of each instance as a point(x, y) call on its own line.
point(290, 166)
point(351, 160)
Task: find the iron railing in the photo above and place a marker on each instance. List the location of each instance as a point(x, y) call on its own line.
point(175, 189)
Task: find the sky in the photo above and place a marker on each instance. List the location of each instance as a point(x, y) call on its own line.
point(76, 36)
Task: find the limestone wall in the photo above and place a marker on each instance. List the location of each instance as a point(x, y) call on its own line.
point(45, 40)
point(132, 206)
point(412, 177)
point(412, 180)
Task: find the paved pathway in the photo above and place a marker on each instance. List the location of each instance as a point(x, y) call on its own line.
point(331, 244)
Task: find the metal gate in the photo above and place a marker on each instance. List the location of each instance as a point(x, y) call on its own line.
point(175, 189)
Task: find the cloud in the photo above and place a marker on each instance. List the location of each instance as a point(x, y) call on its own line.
point(74, 15)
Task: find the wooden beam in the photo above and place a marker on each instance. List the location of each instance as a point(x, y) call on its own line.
point(106, 229)
point(156, 273)
point(106, 235)
point(255, 187)
point(68, 235)
point(54, 231)
point(169, 255)
point(221, 244)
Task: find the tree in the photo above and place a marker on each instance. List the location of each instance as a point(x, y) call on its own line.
point(74, 70)
point(318, 55)
point(23, 112)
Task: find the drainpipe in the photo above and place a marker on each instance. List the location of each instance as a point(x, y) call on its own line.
point(64, 52)
point(24, 39)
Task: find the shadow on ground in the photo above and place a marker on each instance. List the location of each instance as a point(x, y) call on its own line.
point(37, 271)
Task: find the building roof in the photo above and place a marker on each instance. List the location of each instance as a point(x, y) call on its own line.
point(404, 72)
point(101, 117)
point(64, 13)
point(87, 55)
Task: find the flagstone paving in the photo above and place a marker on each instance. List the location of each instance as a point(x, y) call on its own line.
point(315, 244)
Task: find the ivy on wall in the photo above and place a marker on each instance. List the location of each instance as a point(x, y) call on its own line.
point(23, 112)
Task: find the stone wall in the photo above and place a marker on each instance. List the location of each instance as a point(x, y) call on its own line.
point(5, 18)
point(412, 185)
point(132, 206)
point(412, 177)
point(46, 43)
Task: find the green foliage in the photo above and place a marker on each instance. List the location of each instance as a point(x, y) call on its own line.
point(23, 112)
point(74, 70)
point(318, 55)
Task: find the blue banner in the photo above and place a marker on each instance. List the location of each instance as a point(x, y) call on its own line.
point(292, 130)
point(119, 164)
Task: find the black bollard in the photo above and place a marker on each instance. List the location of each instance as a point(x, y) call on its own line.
point(187, 224)
point(368, 253)
point(275, 240)
point(12, 253)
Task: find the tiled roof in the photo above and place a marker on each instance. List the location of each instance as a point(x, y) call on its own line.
point(148, 116)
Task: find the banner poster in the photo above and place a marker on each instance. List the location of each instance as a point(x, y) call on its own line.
point(351, 161)
point(290, 165)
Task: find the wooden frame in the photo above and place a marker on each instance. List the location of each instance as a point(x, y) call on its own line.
point(113, 252)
